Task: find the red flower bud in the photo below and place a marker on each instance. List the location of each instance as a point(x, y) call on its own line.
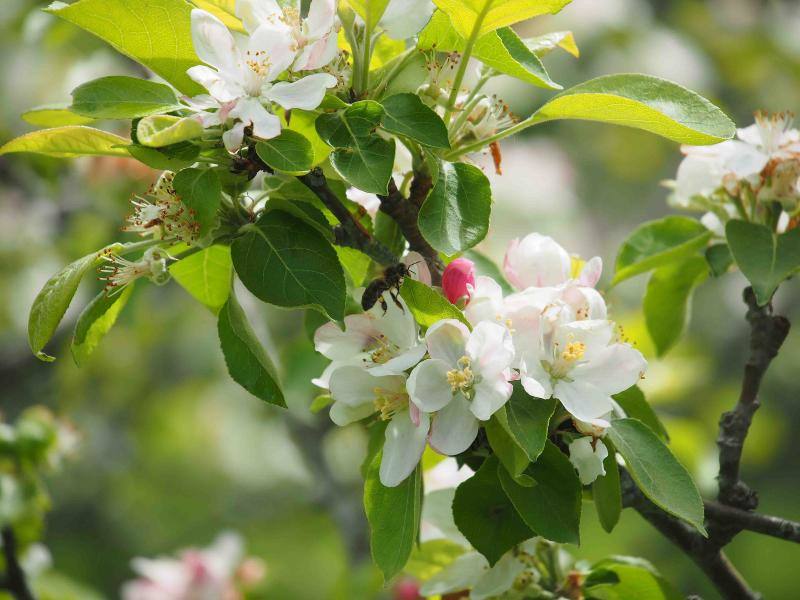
point(455, 278)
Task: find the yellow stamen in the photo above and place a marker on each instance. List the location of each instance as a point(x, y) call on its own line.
point(387, 402)
point(462, 378)
point(574, 351)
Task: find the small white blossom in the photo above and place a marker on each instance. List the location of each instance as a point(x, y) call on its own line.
point(587, 455)
point(120, 272)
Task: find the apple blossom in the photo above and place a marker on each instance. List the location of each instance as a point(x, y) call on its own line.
point(587, 455)
point(162, 215)
point(118, 272)
point(465, 381)
point(458, 277)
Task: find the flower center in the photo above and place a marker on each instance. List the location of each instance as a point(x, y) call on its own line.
point(258, 62)
point(574, 351)
point(388, 402)
point(462, 379)
point(381, 350)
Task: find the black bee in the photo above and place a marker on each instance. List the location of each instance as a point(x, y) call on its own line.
point(390, 282)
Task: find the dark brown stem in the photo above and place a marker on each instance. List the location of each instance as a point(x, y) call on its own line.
point(404, 212)
point(351, 233)
point(14, 580)
point(743, 519)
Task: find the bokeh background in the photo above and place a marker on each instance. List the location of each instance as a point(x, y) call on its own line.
point(173, 452)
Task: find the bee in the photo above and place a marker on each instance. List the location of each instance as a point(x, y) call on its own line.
point(390, 282)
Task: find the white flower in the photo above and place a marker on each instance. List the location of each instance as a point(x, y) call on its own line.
point(242, 80)
point(587, 455)
point(369, 202)
point(403, 19)
point(466, 380)
point(539, 261)
point(382, 344)
point(580, 364)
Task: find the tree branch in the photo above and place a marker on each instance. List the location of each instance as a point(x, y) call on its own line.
point(743, 519)
point(14, 580)
point(404, 212)
point(351, 233)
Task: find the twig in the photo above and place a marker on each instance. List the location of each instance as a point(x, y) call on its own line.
point(14, 580)
point(351, 233)
point(743, 519)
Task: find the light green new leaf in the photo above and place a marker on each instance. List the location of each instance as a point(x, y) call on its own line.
point(628, 580)
point(206, 275)
point(657, 243)
point(200, 192)
point(248, 363)
point(95, 322)
point(405, 114)
point(119, 97)
point(224, 10)
point(765, 258)
point(157, 131)
point(667, 301)
point(54, 115)
point(636, 406)
point(68, 142)
point(369, 10)
point(284, 261)
point(656, 471)
point(643, 102)
point(393, 514)
point(156, 33)
point(52, 302)
point(455, 216)
point(544, 44)
point(303, 122)
point(528, 420)
point(289, 152)
point(427, 305)
point(483, 16)
point(606, 491)
point(552, 506)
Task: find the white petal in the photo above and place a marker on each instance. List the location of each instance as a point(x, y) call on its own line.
point(461, 574)
point(406, 18)
point(591, 272)
point(535, 380)
point(342, 414)
point(588, 460)
point(220, 88)
point(490, 348)
point(698, 175)
point(252, 112)
point(499, 579)
point(333, 343)
point(400, 363)
point(354, 385)
point(595, 334)
point(536, 261)
point(213, 42)
point(403, 448)
point(397, 324)
point(306, 93)
point(233, 137)
point(583, 400)
point(418, 267)
point(254, 13)
point(454, 427)
point(321, 18)
point(613, 369)
point(275, 40)
point(485, 302)
point(447, 340)
point(428, 387)
point(490, 396)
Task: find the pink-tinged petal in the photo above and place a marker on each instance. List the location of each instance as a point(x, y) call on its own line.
point(306, 93)
point(613, 369)
point(583, 400)
point(321, 18)
point(591, 272)
point(536, 261)
point(447, 340)
point(490, 396)
point(213, 42)
point(333, 343)
point(454, 427)
point(415, 413)
point(252, 112)
point(353, 385)
point(318, 54)
point(403, 447)
point(587, 456)
point(490, 348)
point(428, 387)
point(219, 88)
point(276, 45)
point(255, 13)
point(457, 276)
point(418, 267)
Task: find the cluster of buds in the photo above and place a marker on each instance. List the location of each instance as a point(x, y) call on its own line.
point(162, 215)
point(119, 272)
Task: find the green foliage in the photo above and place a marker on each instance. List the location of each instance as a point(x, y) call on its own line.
point(289, 152)
point(284, 261)
point(505, 447)
point(479, 17)
point(719, 259)
point(54, 115)
point(248, 363)
point(485, 515)
point(201, 193)
point(406, 115)
point(394, 516)
point(635, 578)
point(155, 33)
point(157, 131)
point(206, 275)
point(764, 257)
point(369, 10)
point(606, 491)
point(656, 471)
point(427, 305)
point(668, 297)
point(528, 420)
point(95, 322)
point(657, 243)
point(455, 216)
point(552, 505)
point(636, 406)
point(119, 97)
point(68, 142)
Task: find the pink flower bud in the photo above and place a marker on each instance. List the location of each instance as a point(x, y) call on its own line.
point(406, 589)
point(457, 275)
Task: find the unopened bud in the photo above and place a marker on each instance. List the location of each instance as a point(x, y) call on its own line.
point(457, 275)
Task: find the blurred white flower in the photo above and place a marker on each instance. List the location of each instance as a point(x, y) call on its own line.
point(587, 455)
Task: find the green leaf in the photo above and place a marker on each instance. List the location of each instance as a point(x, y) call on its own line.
point(156, 33)
point(427, 305)
point(119, 97)
point(505, 447)
point(552, 506)
point(355, 263)
point(636, 406)
point(68, 142)
point(361, 158)
point(304, 123)
point(488, 15)
point(405, 114)
point(369, 10)
point(667, 300)
point(544, 44)
point(484, 514)
point(656, 471)
point(157, 131)
point(54, 115)
point(501, 50)
point(719, 259)
point(224, 10)
point(248, 363)
point(765, 258)
point(607, 493)
point(284, 261)
point(305, 210)
point(387, 231)
point(206, 275)
point(290, 152)
point(633, 581)
point(95, 322)
point(658, 243)
point(528, 420)
point(394, 515)
point(201, 193)
point(431, 557)
point(165, 159)
point(455, 216)
point(643, 102)
point(52, 302)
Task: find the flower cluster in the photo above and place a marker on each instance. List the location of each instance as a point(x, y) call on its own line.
point(246, 74)
point(118, 272)
point(551, 334)
point(161, 214)
point(219, 571)
point(742, 178)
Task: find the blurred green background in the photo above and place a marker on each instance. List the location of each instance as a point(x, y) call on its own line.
point(173, 452)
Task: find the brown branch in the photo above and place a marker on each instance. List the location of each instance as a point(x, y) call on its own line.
point(404, 212)
point(744, 519)
point(351, 233)
point(14, 580)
